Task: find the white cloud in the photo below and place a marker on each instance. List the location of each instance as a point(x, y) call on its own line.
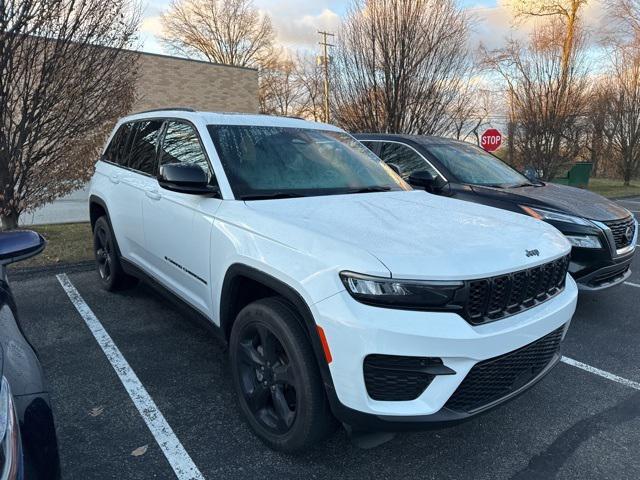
point(302, 32)
point(494, 25)
point(151, 25)
point(297, 22)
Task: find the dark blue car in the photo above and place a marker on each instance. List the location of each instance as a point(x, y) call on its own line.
point(28, 448)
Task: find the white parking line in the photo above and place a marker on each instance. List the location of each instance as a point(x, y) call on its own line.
point(601, 373)
point(632, 284)
point(178, 458)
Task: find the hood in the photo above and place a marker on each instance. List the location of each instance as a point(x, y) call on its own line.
point(574, 201)
point(414, 234)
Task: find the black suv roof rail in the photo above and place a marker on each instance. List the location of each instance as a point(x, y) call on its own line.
point(179, 109)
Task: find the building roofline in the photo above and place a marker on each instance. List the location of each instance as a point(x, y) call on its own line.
point(193, 60)
point(140, 52)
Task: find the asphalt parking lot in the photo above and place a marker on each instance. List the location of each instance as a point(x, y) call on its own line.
point(574, 424)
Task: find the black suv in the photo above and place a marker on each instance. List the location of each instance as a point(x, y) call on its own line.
point(603, 234)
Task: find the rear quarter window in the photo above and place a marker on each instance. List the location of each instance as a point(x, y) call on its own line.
point(118, 150)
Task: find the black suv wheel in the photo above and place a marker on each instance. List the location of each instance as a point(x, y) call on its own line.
point(112, 276)
point(276, 377)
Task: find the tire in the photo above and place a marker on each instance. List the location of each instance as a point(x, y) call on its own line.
point(279, 388)
point(110, 272)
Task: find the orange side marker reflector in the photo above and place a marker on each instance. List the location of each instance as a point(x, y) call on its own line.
point(325, 345)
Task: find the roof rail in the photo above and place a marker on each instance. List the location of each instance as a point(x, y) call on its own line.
point(179, 109)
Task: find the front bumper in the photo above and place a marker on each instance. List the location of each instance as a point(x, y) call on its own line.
point(592, 274)
point(354, 330)
point(600, 268)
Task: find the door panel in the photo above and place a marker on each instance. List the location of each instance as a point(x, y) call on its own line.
point(125, 203)
point(177, 231)
point(178, 226)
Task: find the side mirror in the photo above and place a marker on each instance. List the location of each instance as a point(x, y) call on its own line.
point(19, 245)
point(426, 180)
point(185, 178)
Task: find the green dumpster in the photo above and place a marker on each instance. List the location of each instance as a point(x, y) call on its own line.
point(576, 176)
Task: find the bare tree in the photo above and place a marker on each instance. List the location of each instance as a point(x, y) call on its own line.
point(548, 95)
point(400, 66)
point(470, 113)
point(280, 90)
point(626, 16)
point(624, 111)
point(232, 32)
point(599, 132)
point(64, 80)
point(310, 78)
point(567, 12)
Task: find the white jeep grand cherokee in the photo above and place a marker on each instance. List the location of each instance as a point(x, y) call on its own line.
point(342, 293)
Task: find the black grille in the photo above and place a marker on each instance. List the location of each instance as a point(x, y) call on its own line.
point(623, 231)
point(498, 297)
point(397, 378)
point(496, 378)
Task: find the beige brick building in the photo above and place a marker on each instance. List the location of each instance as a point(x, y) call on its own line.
point(177, 82)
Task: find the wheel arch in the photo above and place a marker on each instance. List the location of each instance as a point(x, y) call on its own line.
point(98, 208)
point(232, 299)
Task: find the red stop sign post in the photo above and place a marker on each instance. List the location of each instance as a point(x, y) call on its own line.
point(491, 140)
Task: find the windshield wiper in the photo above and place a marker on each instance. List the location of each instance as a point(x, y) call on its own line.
point(522, 185)
point(271, 196)
point(369, 189)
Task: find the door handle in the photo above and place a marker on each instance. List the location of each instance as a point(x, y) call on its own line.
point(153, 194)
point(115, 178)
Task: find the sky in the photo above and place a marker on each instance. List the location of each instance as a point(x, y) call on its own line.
point(297, 21)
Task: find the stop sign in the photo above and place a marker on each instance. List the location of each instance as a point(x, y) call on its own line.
point(491, 140)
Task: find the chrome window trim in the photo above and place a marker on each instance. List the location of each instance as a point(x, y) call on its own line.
point(408, 146)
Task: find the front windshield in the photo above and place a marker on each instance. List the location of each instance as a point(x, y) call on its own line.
point(266, 162)
point(474, 166)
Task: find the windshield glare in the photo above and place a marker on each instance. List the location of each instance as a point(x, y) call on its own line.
point(472, 165)
point(263, 161)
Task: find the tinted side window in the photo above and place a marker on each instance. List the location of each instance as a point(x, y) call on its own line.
point(143, 147)
point(119, 147)
point(373, 146)
point(407, 159)
point(181, 145)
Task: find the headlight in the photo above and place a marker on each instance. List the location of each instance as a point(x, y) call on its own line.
point(548, 215)
point(584, 241)
point(411, 294)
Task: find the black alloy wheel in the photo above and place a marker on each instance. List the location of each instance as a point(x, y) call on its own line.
point(103, 252)
point(276, 377)
point(112, 277)
point(267, 380)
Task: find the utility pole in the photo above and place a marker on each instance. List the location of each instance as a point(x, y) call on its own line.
point(325, 63)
